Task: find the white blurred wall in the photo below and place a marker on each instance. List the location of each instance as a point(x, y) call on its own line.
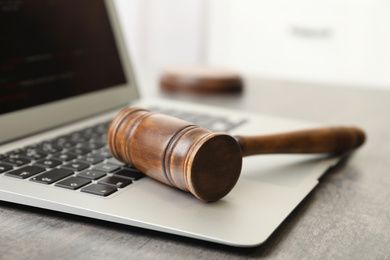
point(341, 42)
point(163, 32)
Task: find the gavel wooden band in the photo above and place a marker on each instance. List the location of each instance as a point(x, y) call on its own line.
point(208, 165)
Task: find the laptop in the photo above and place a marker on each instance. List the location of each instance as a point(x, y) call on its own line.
point(64, 74)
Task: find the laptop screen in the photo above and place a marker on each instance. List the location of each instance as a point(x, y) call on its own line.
point(55, 49)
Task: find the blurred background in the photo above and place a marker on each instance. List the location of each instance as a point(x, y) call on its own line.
point(341, 42)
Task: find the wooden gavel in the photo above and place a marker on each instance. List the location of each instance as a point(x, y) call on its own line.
point(207, 164)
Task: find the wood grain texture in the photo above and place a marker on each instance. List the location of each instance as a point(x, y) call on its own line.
point(208, 165)
point(321, 140)
point(200, 79)
point(346, 217)
point(176, 152)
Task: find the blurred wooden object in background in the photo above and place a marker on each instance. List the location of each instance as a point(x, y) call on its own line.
point(200, 79)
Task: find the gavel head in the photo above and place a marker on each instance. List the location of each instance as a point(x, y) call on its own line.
point(176, 152)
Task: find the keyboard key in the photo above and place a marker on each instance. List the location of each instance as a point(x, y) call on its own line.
point(13, 153)
point(62, 139)
point(65, 157)
point(99, 189)
point(88, 131)
point(107, 168)
point(212, 122)
point(5, 167)
point(102, 128)
point(52, 176)
point(79, 151)
point(49, 147)
point(48, 163)
point(90, 174)
point(130, 173)
point(78, 137)
point(31, 147)
point(204, 120)
point(25, 172)
point(115, 181)
point(15, 161)
point(219, 126)
point(91, 159)
point(76, 166)
point(32, 155)
point(188, 116)
point(73, 183)
point(100, 138)
point(64, 143)
point(93, 145)
point(116, 162)
point(103, 153)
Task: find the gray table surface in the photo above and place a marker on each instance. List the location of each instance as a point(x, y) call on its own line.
point(346, 217)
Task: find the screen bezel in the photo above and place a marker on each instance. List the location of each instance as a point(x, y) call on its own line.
point(38, 118)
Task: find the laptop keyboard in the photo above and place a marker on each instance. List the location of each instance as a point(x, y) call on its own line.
point(211, 122)
point(81, 161)
point(77, 161)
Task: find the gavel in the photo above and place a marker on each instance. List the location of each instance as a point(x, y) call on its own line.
point(194, 159)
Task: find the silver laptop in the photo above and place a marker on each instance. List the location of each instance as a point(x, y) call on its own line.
point(64, 77)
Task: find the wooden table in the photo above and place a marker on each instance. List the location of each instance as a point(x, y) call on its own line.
point(346, 217)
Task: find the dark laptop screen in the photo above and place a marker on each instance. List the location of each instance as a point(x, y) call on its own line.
point(55, 49)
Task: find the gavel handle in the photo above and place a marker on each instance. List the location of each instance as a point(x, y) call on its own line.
point(321, 140)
